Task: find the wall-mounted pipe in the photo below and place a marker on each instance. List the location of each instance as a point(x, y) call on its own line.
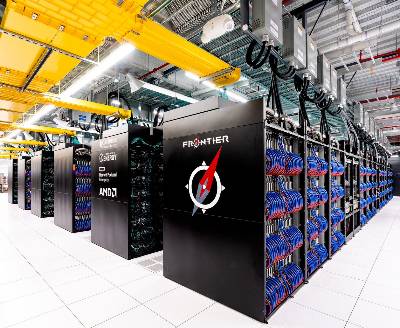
point(352, 24)
point(365, 36)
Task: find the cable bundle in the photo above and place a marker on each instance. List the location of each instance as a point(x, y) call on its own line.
point(279, 287)
point(337, 168)
point(312, 231)
point(321, 223)
point(293, 237)
point(323, 195)
point(279, 246)
point(312, 262)
point(282, 163)
point(337, 240)
point(293, 201)
point(367, 171)
point(316, 166)
point(275, 293)
point(276, 249)
point(368, 186)
point(278, 205)
point(383, 173)
point(363, 219)
point(293, 277)
point(274, 205)
point(313, 197)
point(321, 252)
point(337, 192)
point(383, 183)
point(337, 216)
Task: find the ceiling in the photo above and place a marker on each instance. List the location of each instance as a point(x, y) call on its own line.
point(187, 17)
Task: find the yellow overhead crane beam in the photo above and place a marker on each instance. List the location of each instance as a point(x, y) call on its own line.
point(80, 26)
point(23, 142)
point(14, 95)
point(8, 156)
point(41, 41)
point(36, 128)
point(15, 149)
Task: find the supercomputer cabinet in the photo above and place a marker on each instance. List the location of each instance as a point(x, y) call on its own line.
point(13, 181)
point(43, 184)
point(72, 184)
point(214, 214)
point(127, 191)
point(24, 183)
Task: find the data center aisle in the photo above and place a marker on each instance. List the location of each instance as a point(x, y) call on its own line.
point(51, 278)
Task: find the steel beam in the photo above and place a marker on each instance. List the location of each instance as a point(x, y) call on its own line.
point(23, 142)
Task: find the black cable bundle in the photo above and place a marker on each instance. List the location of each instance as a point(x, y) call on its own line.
point(145, 217)
point(262, 57)
point(274, 94)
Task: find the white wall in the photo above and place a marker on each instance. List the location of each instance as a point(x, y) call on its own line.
point(4, 166)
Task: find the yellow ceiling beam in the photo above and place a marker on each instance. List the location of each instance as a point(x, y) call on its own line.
point(36, 128)
point(74, 26)
point(15, 149)
point(13, 94)
point(8, 156)
point(157, 41)
point(23, 142)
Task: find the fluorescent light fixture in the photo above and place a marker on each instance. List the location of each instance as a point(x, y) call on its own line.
point(115, 102)
point(169, 93)
point(234, 96)
point(112, 59)
point(210, 85)
point(192, 76)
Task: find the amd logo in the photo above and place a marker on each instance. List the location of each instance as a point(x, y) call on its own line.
point(205, 142)
point(108, 192)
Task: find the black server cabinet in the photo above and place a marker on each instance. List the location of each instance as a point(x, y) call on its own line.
point(127, 191)
point(24, 183)
point(43, 184)
point(72, 203)
point(12, 181)
point(214, 228)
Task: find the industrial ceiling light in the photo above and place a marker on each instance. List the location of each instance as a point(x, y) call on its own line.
point(217, 27)
point(169, 93)
point(231, 95)
point(111, 60)
point(136, 84)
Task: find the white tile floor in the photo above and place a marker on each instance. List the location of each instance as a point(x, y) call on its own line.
point(51, 278)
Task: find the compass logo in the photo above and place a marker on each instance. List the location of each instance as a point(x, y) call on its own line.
point(205, 185)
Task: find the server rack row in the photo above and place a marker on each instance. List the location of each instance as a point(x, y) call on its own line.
point(272, 186)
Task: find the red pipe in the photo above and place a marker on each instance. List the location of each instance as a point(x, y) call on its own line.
point(386, 98)
point(387, 56)
point(391, 127)
point(153, 71)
